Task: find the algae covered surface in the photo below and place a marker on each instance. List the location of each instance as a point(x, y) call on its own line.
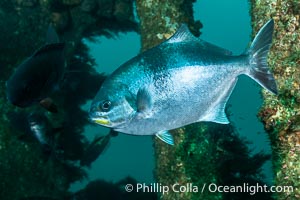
point(281, 114)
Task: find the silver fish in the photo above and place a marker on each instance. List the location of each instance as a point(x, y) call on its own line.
point(181, 81)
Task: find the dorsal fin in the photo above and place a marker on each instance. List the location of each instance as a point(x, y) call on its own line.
point(182, 34)
point(49, 47)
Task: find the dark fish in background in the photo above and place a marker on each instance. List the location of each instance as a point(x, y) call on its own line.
point(42, 130)
point(96, 147)
point(39, 75)
point(35, 127)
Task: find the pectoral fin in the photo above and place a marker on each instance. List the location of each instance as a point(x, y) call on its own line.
point(144, 103)
point(166, 137)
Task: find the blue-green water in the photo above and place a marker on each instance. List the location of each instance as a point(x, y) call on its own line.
point(226, 24)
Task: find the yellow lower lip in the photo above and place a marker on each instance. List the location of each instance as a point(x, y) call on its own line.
point(102, 121)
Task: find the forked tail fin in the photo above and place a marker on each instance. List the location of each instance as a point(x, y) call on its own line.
point(258, 54)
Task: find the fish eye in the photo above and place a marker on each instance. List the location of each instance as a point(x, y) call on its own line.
point(105, 106)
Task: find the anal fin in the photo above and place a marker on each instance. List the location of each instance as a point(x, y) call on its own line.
point(220, 115)
point(217, 114)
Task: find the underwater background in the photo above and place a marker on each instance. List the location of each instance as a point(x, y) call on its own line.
point(235, 37)
point(86, 161)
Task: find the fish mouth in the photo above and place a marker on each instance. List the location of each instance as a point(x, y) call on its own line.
point(103, 120)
